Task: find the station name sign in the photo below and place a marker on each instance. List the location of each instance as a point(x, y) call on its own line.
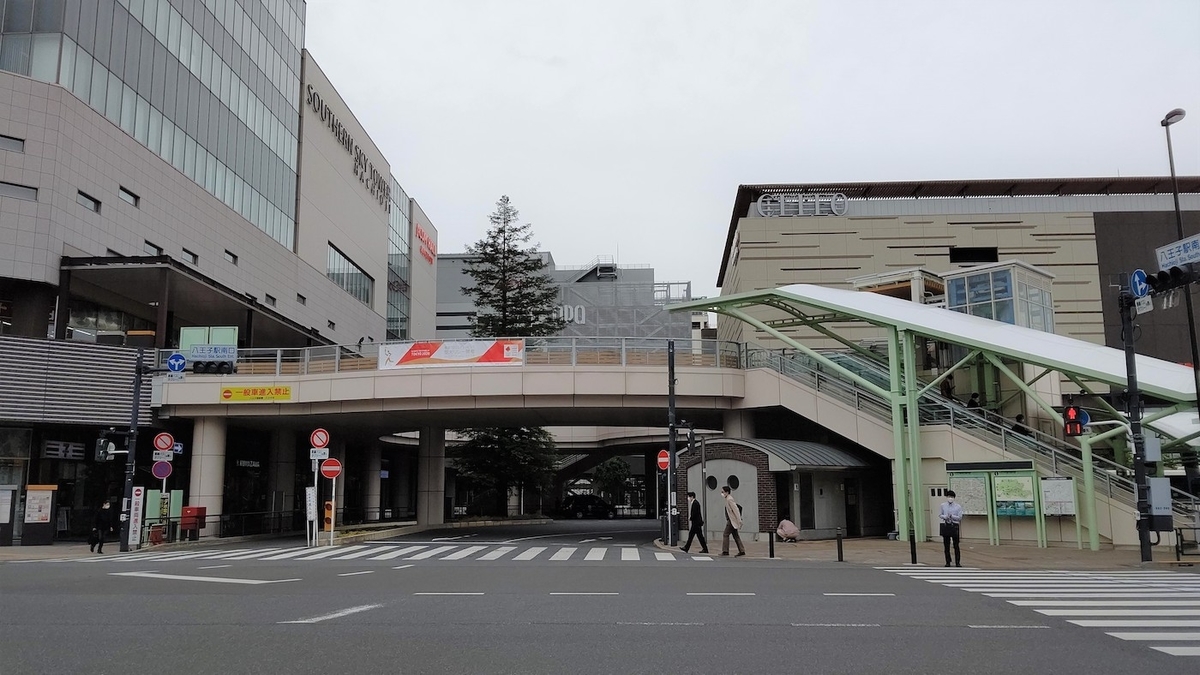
point(375, 182)
point(427, 245)
point(787, 206)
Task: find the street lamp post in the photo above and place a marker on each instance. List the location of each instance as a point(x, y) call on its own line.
point(1190, 463)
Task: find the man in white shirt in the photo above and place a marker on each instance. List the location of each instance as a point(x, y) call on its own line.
point(951, 524)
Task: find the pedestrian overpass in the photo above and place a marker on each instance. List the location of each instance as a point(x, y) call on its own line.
point(878, 401)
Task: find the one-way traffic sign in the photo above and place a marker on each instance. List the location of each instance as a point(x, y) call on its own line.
point(176, 363)
point(1138, 285)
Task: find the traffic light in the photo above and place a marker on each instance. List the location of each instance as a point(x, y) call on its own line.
point(328, 516)
point(1172, 278)
point(1072, 421)
point(213, 367)
point(104, 449)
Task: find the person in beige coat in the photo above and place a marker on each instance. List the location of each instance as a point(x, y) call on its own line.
point(733, 523)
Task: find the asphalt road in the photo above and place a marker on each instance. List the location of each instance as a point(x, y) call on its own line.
point(220, 612)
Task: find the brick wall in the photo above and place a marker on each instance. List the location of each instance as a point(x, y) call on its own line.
point(768, 518)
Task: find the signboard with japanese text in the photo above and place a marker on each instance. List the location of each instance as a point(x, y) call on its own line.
point(256, 393)
point(1179, 252)
point(451, 353)
point(213, 353)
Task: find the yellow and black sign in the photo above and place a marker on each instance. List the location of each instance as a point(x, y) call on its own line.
point(252, 394)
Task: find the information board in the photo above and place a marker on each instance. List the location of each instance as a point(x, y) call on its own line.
point(1014, 495)
point(971, 493)
point(1058, 496)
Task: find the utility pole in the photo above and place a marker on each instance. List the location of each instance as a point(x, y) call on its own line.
point(672, 532)
point(1133, 410)
point(131, 451)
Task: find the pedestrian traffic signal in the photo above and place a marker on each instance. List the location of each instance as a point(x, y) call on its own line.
point(214, 367)
point(1072, 421)
point(104, 449)
point(1172, 278)
point(328, 516)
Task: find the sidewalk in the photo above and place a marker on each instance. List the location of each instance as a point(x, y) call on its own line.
point(975, 553)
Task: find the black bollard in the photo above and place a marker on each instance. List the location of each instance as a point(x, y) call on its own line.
point(839, 544)
point(912, 546)
point(771, 545)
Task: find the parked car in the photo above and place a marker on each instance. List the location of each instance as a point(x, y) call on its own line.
point(587, 506)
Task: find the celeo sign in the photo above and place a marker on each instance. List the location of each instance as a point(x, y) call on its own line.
point(375, 182)
point(786, 206)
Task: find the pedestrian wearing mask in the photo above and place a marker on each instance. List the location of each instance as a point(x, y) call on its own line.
point(951, 525)
point(695, 525)
point(733, 523)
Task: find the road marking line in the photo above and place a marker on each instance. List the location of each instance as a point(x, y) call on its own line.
point(446, 593)
point(403, 567)
point(330, 552)
point(1131, 595)
point(863, 594)
point(425, 555)
point(229, 554)
point(595, 554)
point(720, 594)
point(248, 556)
point(1103, 603)
point(564, 553)
point(1163, 637)
point(1007, 627)
point(354, 574)
point(1179, 651)
point(529, 553)
point(630, 554)
point(289, 554)
point(702, 557)
point(459, 555)
point(215, 580)
point(336, 615)
point(1134, 623)
point(835, 625)
point(365, 552)
point(396, 554)
point(1119, 612)
point(213, 567)
point(658, 623)
point(584, 593)
point(663, 555)
point(496, 554)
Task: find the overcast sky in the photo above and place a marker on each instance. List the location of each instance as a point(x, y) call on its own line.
point(623, 128)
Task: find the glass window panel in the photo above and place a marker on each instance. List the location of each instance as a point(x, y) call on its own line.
point(206, 66)
point(983, 309)
point(119, 25)
point(210, 172)
point(1035, 295)
point(189, 161)
point(14, 54)
point(957, 292)
point(104, 26)
point(132, 52)
point(162, 23)
point(178, 155)
point(128, 109)
point(43, 62)
point(194, 59)
point(150, 15)
point(48, 16)
point(185, 43)
point(173, 26)
point(19, 17)
point(141, 126)
point(1002, 284)
point(1004, 311)
point(112, 109)
point(66, 68)
point(137, 8)
point(978, 288)
point(1036, 320)
point(168, 136)
point(99, 87)
point(83, 75)
point(155, 132)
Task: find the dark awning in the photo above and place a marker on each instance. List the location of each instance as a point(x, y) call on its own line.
point(785, 455)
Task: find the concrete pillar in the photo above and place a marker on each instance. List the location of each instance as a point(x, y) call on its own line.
point(282, 470)
point(208, 469)
point(371, 502)
point(738, 424)
point(339, 504)
point(431, 476)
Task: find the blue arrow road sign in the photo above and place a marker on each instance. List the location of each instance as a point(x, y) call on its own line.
point(1138, 285)
point(176, 363)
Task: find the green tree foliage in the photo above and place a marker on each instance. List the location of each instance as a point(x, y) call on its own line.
point(503, 458)
point(610, 478)
point(514, 297)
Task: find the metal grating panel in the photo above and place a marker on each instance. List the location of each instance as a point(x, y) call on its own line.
point(69, 382)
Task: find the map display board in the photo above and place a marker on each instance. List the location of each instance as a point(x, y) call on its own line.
point(1058, 496)
point(971, 493)
point(1013, 495)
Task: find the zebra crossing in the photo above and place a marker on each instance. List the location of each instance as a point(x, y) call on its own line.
point(1159, 609)
point(385, 553)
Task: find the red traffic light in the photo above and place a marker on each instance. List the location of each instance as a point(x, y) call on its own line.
point(1072, 421)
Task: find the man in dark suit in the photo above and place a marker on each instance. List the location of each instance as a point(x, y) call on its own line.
point(695, 525)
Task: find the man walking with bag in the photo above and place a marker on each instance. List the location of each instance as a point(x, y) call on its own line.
point(733, 523)
point(951, 522)
point(695, 525)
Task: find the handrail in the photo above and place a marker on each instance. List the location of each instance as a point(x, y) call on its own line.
point(1047, 451)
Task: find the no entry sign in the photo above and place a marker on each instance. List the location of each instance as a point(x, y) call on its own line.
point(164, 441)
point(331, 468)
point(664, 460)
point(319, 438)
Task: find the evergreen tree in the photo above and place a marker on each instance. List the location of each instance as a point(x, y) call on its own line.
point(514, 297)
point(610, 477)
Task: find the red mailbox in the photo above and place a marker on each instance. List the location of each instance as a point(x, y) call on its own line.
point(193, 517)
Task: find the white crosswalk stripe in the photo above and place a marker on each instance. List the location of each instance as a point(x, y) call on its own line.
point(459, 555)
point(596, 553)
point(497, 553)
point(425, 555)
point(629, 554)
point(529, 554)
point(392, 555)
point(563, 553)
point(1117, 601)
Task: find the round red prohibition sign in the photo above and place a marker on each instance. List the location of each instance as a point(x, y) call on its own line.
point(164, 441)
point(161, 470)
point(664, 460)
point(319, 438)
point(331, 468)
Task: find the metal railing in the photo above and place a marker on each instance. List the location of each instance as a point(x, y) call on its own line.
point(1049, 453)
point(564, 351)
